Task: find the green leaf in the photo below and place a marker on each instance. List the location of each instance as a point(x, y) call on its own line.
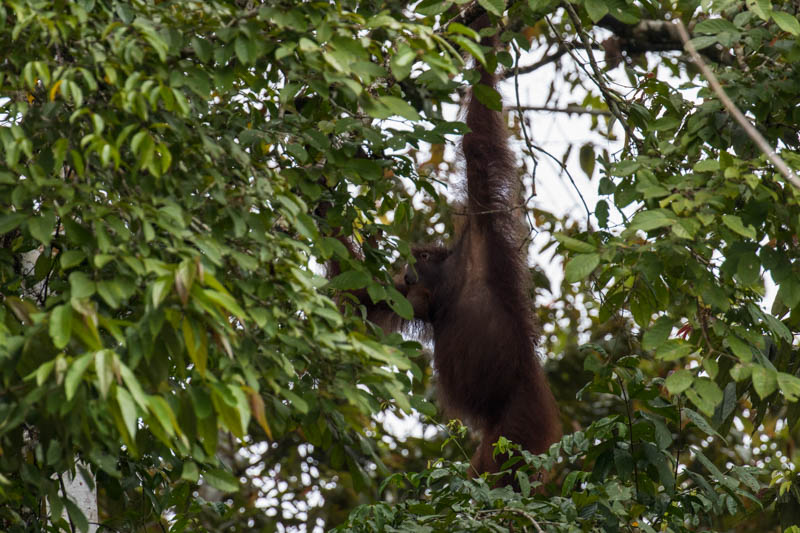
point(658, 334)
point(190, 472)
point(674, 349)
point(748, 269)
point(471, 47)
point(659, 460)
point(399, 107)
point(775, 326)
point(104, 362)
point(488, 96)
point(399, 304)
point(596, 9)
point(76, 515)
point(402, 62)
point(652, 219)
point(456, 28)
point(707, 165)
point(580, 267)
point(242, 406)
point(789, 385)
point(790, 292)
point(75, 373)
point(386, 354)
point(60, 326)
point(41, 227)
point(587, 159)
point(221, 480)
point(202, 48)
point(625, 168)
point(739, 348)
point(735, 223)
point(573, 244)
point(569, 483)
point(713, 26)
point(765, 381)
point(80, 286)
point(623, 462)
point(786, 22)
point(134, 386)
point(601, 211)
point(246, 50)
point(297, 402)
point(710, 393)
point(741, 372)
point(702, 424)
point(227, 302)
point(195, 345)
point(679, 381)
point(711, 366)
point(128, 409)
point(762, 8)
point(10, 221)
point(495, 7)
point(432, 7)
point(350, 280)
point(159, 407)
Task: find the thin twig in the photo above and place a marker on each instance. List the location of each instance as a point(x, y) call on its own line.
point(453, 438)
point(568, 109)
point(66, 497)
point(630, 431)
point(599, 79)
point(678, 447)
point(46, 286)
point(751, 131)
point(522, 125)
point(546, 60)
point(571, 180)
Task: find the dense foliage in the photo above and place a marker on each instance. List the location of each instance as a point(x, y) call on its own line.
point(175, 175)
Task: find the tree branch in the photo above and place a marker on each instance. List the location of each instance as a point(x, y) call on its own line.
point(655, 36)
point(611, 98)
point(570, 109)
point(546, 60)
point(751, 131)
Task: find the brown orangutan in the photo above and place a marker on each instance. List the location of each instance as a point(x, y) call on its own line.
point(475, 295)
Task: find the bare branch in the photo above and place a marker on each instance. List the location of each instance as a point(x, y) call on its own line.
point(546, 60)
point(522, 125)
point(612, 99)
point(568, 109)
point(656, 36)
point(571, 180)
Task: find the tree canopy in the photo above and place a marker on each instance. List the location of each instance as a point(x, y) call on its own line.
point(176, 175)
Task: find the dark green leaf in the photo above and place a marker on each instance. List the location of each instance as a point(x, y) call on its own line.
point(42, 226)
point(679, 381)
point(596, 9)
point(10, 221)
point(60, 326)
point(350, 280)
point(75, 374)
point(658, 334)
point(580, 267)
point(496, 7)
point(765, 381)
point(221, 480)
point(488, 96)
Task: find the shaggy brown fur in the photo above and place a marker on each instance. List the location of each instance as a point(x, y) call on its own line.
point(476, 296)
